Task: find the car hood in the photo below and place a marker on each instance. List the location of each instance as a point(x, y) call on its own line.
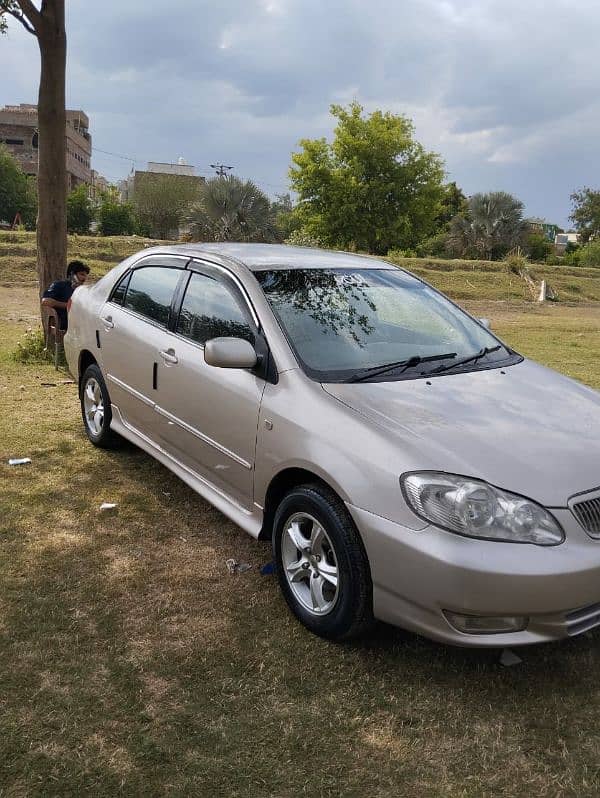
point(524, 428)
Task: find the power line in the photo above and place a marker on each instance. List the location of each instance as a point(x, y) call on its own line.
point(218, 167)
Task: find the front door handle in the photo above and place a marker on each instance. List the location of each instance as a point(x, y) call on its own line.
point(169, 356)
point(108, 322)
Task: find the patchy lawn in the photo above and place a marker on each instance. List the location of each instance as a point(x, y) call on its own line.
point(132, 663)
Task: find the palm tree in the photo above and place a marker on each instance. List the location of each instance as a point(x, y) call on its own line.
point(231, 209)
point(492, 225)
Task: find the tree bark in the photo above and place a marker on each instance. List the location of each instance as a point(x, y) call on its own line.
point(52, 168)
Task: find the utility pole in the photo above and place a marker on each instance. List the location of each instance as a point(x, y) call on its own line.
point(220, 169)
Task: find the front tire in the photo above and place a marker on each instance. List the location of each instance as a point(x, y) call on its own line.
point(96, 409)
point(322, 566)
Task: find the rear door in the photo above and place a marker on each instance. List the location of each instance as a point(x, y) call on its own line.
point(133, 329)
point(211, 413)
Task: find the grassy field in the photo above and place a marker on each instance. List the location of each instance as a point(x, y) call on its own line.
point(460, 279)
point(132, 663)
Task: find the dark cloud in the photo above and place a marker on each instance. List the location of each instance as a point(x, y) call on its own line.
point(505, 91)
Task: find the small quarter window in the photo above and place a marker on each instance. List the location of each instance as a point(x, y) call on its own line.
point(210, 310)
point(118, 294)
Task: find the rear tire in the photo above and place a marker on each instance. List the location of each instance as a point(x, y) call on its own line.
point(322, 566)
point(96, 409)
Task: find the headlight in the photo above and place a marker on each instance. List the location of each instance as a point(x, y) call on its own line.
point(478, 510)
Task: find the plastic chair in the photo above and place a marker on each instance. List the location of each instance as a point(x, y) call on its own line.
point(53, 335)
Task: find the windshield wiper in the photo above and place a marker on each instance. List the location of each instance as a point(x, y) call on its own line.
point(471, 359)
point(415, 360)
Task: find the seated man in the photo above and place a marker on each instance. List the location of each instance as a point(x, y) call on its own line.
point(58, 294)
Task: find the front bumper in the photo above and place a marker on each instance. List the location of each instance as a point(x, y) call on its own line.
point(418, 574)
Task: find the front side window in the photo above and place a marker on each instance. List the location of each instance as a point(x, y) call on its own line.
point(150, 292)
point(210, 310)
point(342, 323)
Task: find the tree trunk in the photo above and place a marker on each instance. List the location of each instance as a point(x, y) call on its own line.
point(52, 169)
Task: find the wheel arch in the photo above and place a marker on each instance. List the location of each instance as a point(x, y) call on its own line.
point(279, 485)
point(86, 358)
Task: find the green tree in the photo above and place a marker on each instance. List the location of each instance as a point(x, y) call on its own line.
point(231, 209)
point(373, 188)
point(492, 225)
point(586, 213)
point(285, 215)
point(47, 24)
point(161, 202)
point(589, 255)
point(115, 218)
point(537, 246)
point(17, 191)
point(454, 203)
point(79, 210)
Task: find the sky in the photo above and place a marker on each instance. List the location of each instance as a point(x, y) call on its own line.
point(506, 92)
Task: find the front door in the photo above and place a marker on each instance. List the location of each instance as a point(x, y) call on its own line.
point(211, 413)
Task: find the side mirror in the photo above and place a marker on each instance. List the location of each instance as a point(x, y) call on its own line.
point(230, 353)
point(486, 323)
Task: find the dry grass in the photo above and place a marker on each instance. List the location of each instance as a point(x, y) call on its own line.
point(131, 663)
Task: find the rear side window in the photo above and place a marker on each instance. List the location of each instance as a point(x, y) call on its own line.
point(150, 292)
point(210, 310)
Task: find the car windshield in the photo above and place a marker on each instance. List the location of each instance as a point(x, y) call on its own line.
point(342, 323)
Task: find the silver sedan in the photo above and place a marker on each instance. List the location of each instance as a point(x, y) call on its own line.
point(406, 464)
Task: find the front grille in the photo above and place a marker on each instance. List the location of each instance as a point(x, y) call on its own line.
point(587, 512)
point(582, 620)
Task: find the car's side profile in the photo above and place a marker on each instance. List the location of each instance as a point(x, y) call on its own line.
point(390, 446)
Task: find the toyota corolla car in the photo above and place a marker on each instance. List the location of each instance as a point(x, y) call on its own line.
point(406, 464)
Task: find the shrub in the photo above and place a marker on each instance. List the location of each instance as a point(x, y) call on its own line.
point(31, 348)
point(590, 254)
point(300, 238)
point(572, 257)
point(538, 247)
point(433, 247)
point(115, 219)
point(394, 254)
point(79, 211)
point(516, 263)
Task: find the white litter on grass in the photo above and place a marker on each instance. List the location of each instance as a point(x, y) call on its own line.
point(19, 461)
point(508, 658)
point(106, 506)
point(235, 567)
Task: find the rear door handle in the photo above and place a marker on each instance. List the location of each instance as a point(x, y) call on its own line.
point(169, 356)
point(108, 322)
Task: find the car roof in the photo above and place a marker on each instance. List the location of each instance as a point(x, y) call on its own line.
point(268, 257)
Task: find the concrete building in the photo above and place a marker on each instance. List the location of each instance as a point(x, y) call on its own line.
point(98, 186)
point(157, 192)
point(562, 241)
point(137, 176)
point(19, 133)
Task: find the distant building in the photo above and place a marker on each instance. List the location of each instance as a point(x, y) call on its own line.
point(549, 231)
point(19, 132)
point(142, 187)
point(136, 177)
point(562, 241)
point(98, 186)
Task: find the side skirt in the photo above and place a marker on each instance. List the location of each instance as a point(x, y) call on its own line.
point(249, 521)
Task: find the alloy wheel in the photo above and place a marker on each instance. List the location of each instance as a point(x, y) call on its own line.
point(309, 563)
point(93, 406)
